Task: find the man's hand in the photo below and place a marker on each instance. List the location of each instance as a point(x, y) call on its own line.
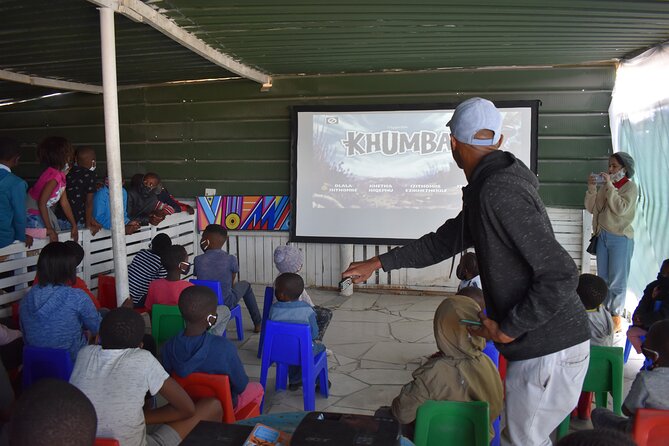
point(190, 209)
point(490, 330)
point(29, 241)
point(361, 271)
point(127, 303)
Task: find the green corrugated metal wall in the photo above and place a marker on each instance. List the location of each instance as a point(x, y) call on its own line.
point(232, 137)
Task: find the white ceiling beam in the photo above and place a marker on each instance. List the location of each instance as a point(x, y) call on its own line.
point(141, 12)
point(49, 83)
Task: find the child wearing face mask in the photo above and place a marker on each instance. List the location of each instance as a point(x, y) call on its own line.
point(80, 188)
point(653, 307)
point(197, 350)
point(55, 153)
point(167, 291)
point(289, 259)
point(649, 389)
point(143, 203)
point(216, 264)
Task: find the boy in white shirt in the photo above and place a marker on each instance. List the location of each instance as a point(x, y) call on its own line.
point(116, 376)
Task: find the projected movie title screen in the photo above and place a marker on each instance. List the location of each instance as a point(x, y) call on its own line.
point(383, 175)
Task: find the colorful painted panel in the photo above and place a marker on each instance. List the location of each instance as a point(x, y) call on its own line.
point(244, 212)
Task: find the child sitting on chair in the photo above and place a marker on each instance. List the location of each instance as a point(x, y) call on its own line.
point(78, 255)
point(289, 259)
point(216, 264)
point(649, 389)
point(52, 313)
point(476, 294)
point(593, 290)
point(287, 288)
point(167, 291)
point(146, 267)
point(197, 350)
point(461, 372)
point(116, 376)
point(468, 271)
point(653, 307)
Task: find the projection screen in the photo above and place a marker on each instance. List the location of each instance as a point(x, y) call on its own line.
point(384, 174)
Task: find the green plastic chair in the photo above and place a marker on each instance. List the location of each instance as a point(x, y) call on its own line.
point(166, 322)
point(443, 423)
point(604, 376)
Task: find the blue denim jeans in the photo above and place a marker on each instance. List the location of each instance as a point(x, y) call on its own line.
point(242, 290)
point(614, 254)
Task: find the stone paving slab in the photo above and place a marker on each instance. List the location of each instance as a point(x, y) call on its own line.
point(371, 398)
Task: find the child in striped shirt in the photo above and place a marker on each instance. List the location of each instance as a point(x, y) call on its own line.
point(146, 267)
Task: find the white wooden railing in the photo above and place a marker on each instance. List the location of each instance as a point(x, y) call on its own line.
point(254, 249)
point(18, 263)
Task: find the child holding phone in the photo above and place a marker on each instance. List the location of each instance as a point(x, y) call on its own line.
point(459, 372)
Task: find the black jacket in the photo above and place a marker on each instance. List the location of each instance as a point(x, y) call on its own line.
point(141, 204)
point(652, 310)
point(528, 278)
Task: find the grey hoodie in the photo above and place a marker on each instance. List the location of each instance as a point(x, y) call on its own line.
point(528, 277)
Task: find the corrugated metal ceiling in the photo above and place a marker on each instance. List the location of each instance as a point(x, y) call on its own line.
point(60, 38)
point(314, 37)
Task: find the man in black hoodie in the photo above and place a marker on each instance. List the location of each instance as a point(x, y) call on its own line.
point(534, 314)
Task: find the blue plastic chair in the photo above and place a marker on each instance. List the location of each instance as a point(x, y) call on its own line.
point(290, 344)
point(41, 362)
point(628, 345)
point(235, 313)
point(267, 305)
point(493, 354)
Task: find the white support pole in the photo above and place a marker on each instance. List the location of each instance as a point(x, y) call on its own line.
point(113, 143)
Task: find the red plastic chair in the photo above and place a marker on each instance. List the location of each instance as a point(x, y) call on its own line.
point(106, 442)
point(107, 291)
point(502, 368)
point(206, 385)
point(651, 427)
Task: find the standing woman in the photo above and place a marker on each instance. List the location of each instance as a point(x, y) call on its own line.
point(611, 199)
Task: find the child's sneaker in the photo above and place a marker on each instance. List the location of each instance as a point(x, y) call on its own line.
point(328, 352)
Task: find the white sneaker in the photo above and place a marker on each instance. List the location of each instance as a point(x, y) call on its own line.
point(328, 352)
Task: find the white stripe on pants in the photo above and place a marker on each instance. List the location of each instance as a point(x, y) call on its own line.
point(540, 393)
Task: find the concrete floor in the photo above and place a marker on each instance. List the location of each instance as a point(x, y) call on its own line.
point(377, 340)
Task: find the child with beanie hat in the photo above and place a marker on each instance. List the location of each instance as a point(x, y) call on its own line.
point(289, 259)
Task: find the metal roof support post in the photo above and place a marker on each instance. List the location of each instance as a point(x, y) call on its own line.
point(113, 144)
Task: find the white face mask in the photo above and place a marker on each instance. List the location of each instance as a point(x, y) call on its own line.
point(615, 177)
point(66, 168)
point(93, 165)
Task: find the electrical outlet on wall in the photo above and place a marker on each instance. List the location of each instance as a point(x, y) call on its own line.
point(209, 192)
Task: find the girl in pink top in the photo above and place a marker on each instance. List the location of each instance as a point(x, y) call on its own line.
point(56, 153)
point(167, 291)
